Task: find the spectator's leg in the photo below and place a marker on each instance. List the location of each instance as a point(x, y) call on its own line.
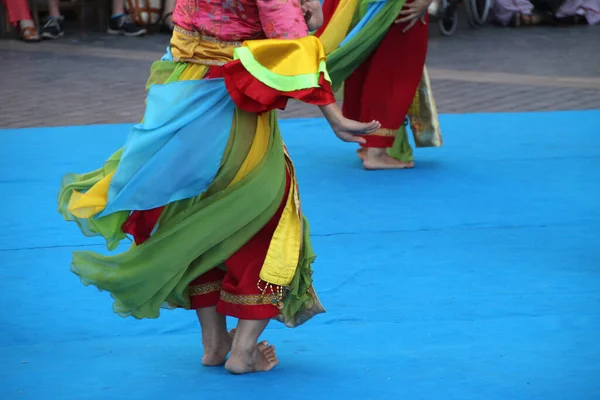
point(118, 8)
point(120, 23)
point(53, 28)
point(167, 15)
point(54, 8)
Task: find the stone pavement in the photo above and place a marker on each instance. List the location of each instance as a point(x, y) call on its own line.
point(100, 79)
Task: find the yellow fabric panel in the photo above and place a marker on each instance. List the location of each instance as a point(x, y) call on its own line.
point(339, 25)
point(193, 48)
point(90, 203)
point(303, 55)
point(414, 106)
point(193, 72)
point(283, 255)
point(257, 149)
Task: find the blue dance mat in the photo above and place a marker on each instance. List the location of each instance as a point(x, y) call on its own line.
point(474, 276)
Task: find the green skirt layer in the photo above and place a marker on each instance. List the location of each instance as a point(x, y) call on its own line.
point(194, 235)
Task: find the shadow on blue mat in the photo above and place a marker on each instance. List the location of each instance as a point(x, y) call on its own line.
point(474, 276)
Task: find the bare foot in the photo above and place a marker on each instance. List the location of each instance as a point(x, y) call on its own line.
point(262, 358)
point(361, 153)
point(215, 356)
point(375, 159)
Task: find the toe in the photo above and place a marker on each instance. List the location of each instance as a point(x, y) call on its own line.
point(263, 345)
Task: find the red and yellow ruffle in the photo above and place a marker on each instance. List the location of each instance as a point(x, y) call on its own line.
point(267, 73)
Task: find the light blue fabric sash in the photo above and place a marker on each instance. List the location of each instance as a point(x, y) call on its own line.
point(177, 151)
point(372, 9)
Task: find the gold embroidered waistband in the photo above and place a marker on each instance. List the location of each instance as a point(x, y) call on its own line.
point(193, 47)
point(205, 38)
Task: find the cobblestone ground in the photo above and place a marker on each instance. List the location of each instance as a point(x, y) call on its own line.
point(94, 78)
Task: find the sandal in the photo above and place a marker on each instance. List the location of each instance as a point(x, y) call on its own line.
point(29, 34)
point(527, 19)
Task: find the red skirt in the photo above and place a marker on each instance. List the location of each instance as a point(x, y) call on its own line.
point(384, 86)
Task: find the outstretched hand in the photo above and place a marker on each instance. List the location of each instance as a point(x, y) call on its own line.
point(413, 13)
point(349, 131)
point(345, 129)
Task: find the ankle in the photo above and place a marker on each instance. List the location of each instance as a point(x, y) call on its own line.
point(25, 23)
point(243, 349)
point(375, 151)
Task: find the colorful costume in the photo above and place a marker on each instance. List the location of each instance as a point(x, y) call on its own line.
point(383, 68)
point(204, 184)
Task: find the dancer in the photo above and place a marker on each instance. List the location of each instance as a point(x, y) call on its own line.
point(378, 48)
point(205, 185)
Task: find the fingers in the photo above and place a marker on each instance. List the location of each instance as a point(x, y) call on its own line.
point(360, 140)
point(367, 128)
point(408, 18)
point(373, 126)
point(356, 139)
point(403, 20)
point(350, 138)
point(410, 25)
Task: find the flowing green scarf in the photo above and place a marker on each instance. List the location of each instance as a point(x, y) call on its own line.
point(345, 59)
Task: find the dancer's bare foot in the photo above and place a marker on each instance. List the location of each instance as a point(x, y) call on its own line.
point(216, 340)
point(375, 159)
point(261, 358)
point(361, 153)
point(216, 354)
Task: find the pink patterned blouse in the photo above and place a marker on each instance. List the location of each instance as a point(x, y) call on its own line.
point(235, 20)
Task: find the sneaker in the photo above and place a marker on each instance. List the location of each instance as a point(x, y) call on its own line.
point(123, 25)
point(53, 28)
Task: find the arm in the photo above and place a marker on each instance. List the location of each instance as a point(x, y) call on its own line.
point(282, 19)
point(285, 19)
point(313, 14)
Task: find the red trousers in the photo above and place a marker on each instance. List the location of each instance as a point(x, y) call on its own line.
point(384, 86)
point(237, 292)
point(17, 10)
